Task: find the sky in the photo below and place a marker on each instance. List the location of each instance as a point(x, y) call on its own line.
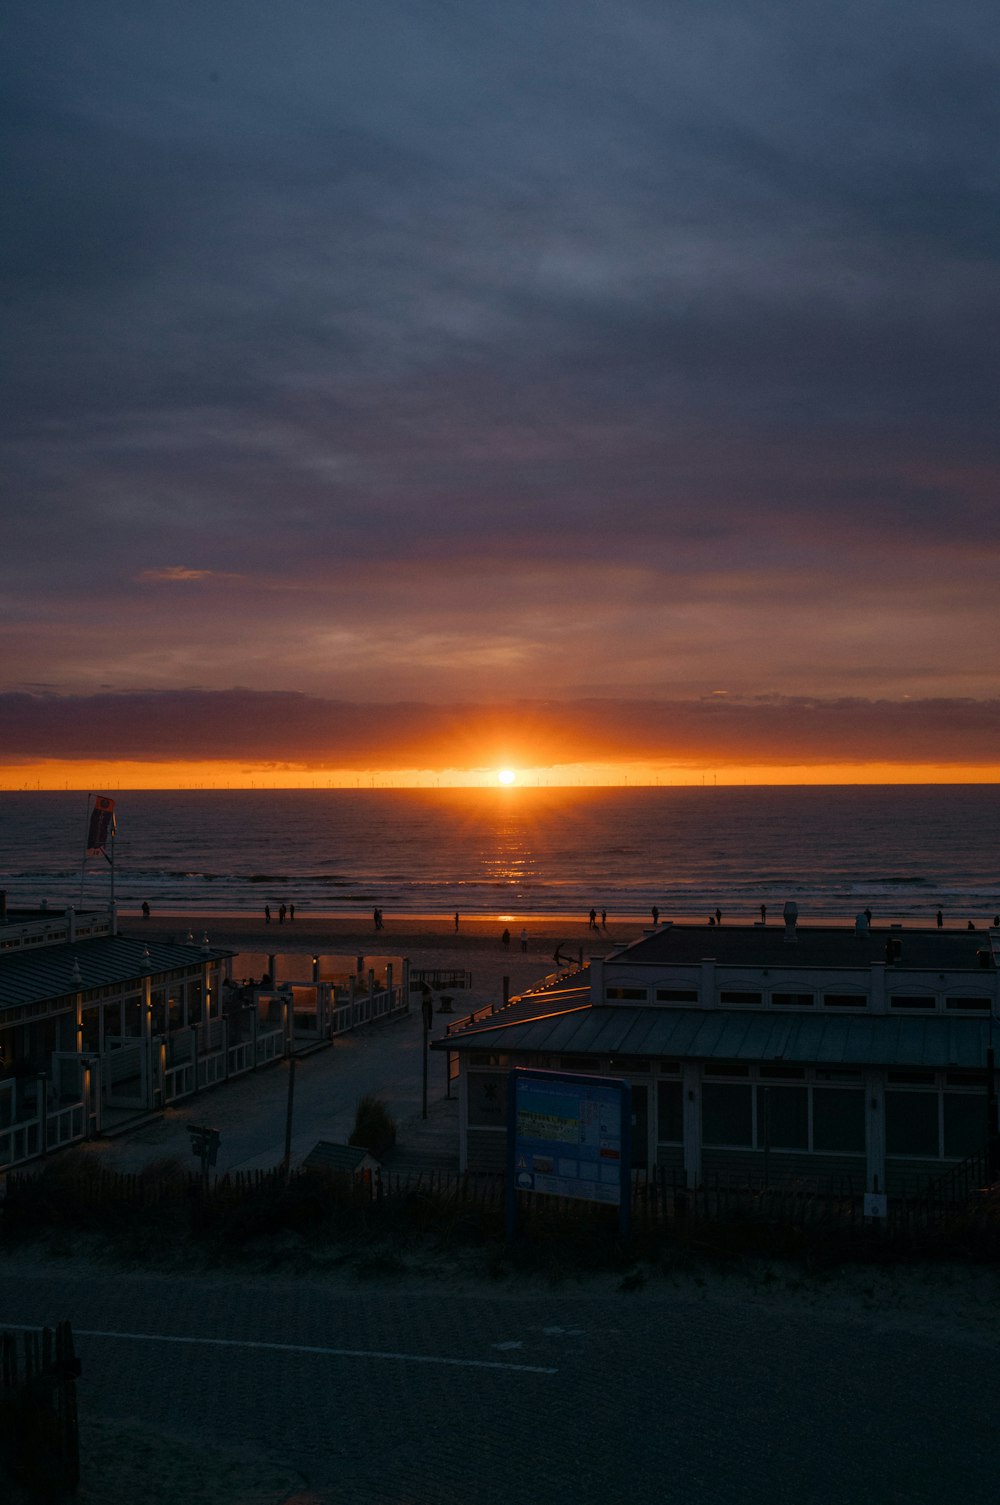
point(401, 390)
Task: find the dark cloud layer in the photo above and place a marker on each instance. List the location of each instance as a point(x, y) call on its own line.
point(403, 349)
point(294, 730)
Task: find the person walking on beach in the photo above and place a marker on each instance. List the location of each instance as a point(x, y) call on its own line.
point(282, 911)
point(763, 914)
point(604, 919)
point(505, 938)
point(593, 919)
point(867, 914)
point(291, 912)
point(377, 919)
point(524, 938)
point(656, 915)
point(267, 914)
point(456, 919)
point(145, 909)
point(940, 918)
point(718, 915)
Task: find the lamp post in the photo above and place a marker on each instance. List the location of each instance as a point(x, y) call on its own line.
point(427, 1010)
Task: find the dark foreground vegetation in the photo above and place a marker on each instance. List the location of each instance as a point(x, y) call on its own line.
point(432, 1223)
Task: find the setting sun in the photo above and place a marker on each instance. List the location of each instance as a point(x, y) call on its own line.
point(506, 776)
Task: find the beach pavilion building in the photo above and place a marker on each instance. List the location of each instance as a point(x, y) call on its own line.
point(98, 1028)
point(852, 1058)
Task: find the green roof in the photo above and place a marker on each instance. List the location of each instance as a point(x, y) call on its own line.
point(728, 1035)
point(45, 973)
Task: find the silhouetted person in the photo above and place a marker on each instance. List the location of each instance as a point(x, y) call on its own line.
point(996, 922)
point(456, 919)
point(970, 926)
point(282, 911)
point(145, 910)
point(505, 938)
point(524, 939)
point(711, 920)
point(593, 919)
point(867, 914)
point(291, 911)
point(267, 914)
point(763, 914)
point(656, 915)
point(718, 916)
point(940, 919)
point(604, 919)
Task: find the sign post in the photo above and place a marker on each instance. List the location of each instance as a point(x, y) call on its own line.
point(204, 1144)
point(569, 1136)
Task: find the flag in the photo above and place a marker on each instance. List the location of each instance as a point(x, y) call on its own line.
point(102, 825)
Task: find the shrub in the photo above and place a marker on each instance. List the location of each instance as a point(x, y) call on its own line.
point(374, 1129)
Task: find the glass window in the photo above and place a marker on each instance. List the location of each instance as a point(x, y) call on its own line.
point(677, 995)
point(194, 1003)
point(726, 1114)
point(967, 1003)
point(670, 1122)
point(91, 1029)
point(629, 1063)
point(633, 994)
point(790, 1073)
point(727, 1068)
point(965, 1123)
point(911, 1123)
point(732, 995)
point(783, 1118)
point(792, 1000)
point(838, 1120)
point(912, 1001)
point(845, 1001)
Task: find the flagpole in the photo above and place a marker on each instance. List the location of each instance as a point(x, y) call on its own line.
point(83, 864)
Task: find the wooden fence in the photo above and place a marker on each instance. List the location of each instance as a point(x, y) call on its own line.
point(39, 1432)
point(145, 1212)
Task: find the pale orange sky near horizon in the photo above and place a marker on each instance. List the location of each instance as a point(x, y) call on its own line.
point(106, 776)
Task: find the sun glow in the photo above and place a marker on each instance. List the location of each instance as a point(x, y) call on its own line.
point(506, 776)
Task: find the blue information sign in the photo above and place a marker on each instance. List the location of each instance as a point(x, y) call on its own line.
point(568, 1136)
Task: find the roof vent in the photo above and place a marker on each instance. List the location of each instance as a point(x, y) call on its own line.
point(77, 975)
point(790, 914)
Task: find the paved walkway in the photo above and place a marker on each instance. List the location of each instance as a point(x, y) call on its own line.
point(381, 1060)
point(434, 1395)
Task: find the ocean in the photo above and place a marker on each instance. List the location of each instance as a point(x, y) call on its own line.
point(901, 850)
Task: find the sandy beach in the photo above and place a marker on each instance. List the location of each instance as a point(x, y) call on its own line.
point(400, 933)
point(428, 941)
